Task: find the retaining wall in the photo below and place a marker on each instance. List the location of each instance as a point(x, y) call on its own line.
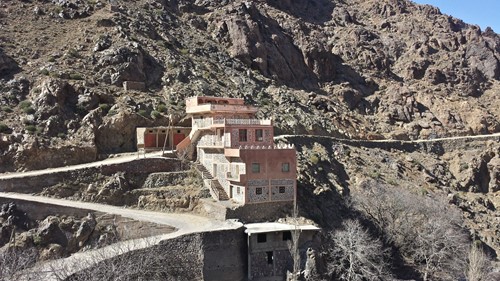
point(36, 183)
point(208, 256)
point(438, 146)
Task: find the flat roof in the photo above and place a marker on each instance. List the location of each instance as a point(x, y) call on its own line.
point(263, 227)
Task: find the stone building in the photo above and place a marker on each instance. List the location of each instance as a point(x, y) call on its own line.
point(270, 251)
point(155, 138)
point(236, 152)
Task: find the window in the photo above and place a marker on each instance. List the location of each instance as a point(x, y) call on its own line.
point(269, 257)
point(258, 190)
point(282, 189)
point(287, 235)
point(238, 191)
point(285, 167)
point(243, 135)
point(261, 238)
point(259, 135)
point(255, 168)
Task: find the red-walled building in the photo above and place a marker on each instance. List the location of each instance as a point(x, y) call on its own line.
point(238, 152)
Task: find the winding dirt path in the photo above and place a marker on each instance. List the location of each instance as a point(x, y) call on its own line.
point(117, 159)
point(184, 224)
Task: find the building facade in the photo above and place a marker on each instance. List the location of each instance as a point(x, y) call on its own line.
point(238, 153)
point(270, 250)
point(157, 138)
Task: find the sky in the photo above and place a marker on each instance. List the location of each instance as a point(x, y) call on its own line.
point(481, 12)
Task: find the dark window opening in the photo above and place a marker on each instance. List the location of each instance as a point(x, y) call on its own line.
point(258, 190)
point(261, 238)
point(269, 257)
point(282, 189)
point(287, 235)
point(285, 167)
point(259, 135)
point(243, 135)
point(178, 131)
point(255, 168)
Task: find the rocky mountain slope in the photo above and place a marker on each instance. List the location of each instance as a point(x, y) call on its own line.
point(351, 69)
point(359, 69)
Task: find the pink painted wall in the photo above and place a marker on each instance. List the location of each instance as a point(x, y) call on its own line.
point(270, 161)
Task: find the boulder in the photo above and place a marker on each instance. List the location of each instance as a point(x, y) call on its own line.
point(49, 232)
point(7, 64)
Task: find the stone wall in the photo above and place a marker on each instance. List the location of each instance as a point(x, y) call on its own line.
point(39, 211)
point(259, 212)
point(208, 256)
point(36, 183)
point(438, 146)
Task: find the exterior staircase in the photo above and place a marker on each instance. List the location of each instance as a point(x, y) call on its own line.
point(219, 190)
point(214, 185)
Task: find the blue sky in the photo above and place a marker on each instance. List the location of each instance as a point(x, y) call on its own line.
point(481, 12)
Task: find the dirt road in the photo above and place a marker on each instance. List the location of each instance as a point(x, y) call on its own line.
point(184, 223)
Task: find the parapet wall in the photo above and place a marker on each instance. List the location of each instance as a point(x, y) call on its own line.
point(209, 256)
point(249, 213)
point(39, 211)
point(36, 183)
point(437, 146)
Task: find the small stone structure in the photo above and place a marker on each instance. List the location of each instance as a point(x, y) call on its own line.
point(270, 250)
point(155, 138)
point(134, 85)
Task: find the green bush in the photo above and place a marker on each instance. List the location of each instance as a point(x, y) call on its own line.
point(29, 110)
point(3, 128)
point(161, 108)
point(30, 128)
point(25, 104)
point(6, 109)
point(112, 112)
point(76, 76)
point(104, 106)
point(44, 72)
point(61, 135)
point(155, 114)
point(143, 112)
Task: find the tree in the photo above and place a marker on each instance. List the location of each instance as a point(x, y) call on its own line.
point(479, 264)
point(14, 260)
point(427, 232)
point(355, 255)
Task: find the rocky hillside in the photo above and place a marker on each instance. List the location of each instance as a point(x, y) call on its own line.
point(358, 69)
point(350, 69)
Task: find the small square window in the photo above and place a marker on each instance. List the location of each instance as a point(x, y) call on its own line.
point(285, 167)
point(255, 168)
point(287, 235)
point(243, 135)
point(258, 190)
point(259, 136)
point(261, 238)
point(282, 189)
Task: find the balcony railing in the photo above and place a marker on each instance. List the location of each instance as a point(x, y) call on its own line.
point(209, 140)
point(207, 122)
point(247, 122)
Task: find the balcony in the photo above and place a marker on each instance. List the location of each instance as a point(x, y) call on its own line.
point(211, 141)
point(225, 108)
point(221, 122)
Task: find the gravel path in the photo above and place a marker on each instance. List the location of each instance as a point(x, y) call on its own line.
point(117, 159)
point(184, 224)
